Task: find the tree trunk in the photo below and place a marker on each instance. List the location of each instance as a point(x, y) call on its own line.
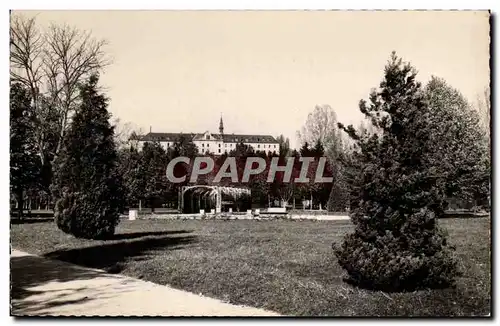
point(140, 205)
point(293, 202)
point(311, 207)
point(20, 202)
point(29, 206)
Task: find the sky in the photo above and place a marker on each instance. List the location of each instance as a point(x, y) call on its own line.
point(264, 71)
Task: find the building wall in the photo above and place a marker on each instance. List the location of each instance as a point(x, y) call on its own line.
point(268, 147)
point(214, 145)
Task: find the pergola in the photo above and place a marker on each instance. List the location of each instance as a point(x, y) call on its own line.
point(194, 198)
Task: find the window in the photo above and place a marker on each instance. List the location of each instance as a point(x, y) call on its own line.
point(219, 150)
point(225, 145)
point(274, 146)
point(208, 137)
point(219, 146)
point(258, 146)
point(168, 144)
point(202, 145)
point(208, 145)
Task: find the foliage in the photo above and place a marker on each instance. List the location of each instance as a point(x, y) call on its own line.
point(24, 161)
point(316, 191)
point(131, 169)
point(321, 124)
point(484, 110)
point(51, 63)
point(284, 145)
point(460, 153)
point(242, 151)
point(183, 146)
point(87, 188)
point(397, 244)
point(152, 176)
point(321, 136)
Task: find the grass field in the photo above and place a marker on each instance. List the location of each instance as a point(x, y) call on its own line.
point(284, 266)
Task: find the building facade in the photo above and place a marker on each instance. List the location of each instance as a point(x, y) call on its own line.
point(214, 143)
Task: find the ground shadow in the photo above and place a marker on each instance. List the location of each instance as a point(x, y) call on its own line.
point(134, 235)
point(409, 286)
point(29, 272)
point(31, 220)
point(110, 256)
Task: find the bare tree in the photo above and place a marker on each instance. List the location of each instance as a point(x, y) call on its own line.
point(26, 54)
point(484, 108)
point(286, 192)
point(125, 133)
point(70, 56)
point(52, 64)
point(321, 124)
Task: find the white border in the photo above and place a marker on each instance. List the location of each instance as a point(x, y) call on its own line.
point(253, 4)
point(186, 4)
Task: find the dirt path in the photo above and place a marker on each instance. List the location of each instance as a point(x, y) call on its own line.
point(49, 287)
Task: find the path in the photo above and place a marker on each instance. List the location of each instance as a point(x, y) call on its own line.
point(49, 287)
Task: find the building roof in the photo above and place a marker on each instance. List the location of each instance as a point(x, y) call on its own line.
point(233, 138)
point(164, 136)
point(228, 138)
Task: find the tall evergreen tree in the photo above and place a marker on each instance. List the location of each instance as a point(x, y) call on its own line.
point(318, 150)
point(24, 162)
point(305, 150)
point(397, 243)
point(87, 187)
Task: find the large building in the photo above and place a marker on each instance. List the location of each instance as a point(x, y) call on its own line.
point(214, 143)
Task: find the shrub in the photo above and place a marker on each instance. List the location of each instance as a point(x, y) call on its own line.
point(90, 214)
point(408, 259)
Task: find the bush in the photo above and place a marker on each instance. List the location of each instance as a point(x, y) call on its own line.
point(406, 259)
point(90, 215)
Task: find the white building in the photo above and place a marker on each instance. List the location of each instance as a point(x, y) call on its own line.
point(213, 143)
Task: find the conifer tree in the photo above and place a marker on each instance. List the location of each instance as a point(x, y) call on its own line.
point(87, 188)
point(397, 243)
point(24, 161)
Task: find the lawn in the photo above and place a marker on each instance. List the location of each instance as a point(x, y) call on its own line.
point(284, 266)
